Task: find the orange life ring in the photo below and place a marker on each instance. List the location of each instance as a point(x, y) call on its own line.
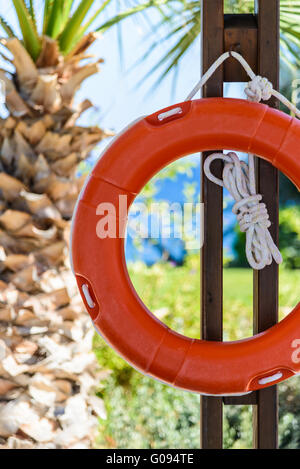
point(214, 368)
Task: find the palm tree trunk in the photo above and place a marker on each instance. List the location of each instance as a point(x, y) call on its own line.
point(48, 372)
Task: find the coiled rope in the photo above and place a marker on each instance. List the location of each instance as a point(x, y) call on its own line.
point(239, 177)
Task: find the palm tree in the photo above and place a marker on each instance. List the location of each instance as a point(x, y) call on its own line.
point(46, 368)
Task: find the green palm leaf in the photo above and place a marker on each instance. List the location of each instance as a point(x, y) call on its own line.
point(70, 32)
point(66, 11)
point(7, 28)
point(85, 26)
point(55, 19)
point(130, 12)
point(56, 16)
point(30, 8)
point(47, 10)
point(30, 36)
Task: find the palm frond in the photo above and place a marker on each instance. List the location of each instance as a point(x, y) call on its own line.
point(7, 28)
point(56, 16)
point(30, 7)
point(174, 55)
point(187, 12)
point(67, 9)
point(95, 15)
point(287, 51)
point(54, 21)
point(30, 36)
point(47, 10)
point(70, 32)
point(130, 12)
point(183, 26)
point(83, 29)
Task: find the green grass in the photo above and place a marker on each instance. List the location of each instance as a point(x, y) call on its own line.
point(143, 413)
point(238, 299)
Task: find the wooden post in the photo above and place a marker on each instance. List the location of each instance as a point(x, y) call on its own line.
point(265, 413)
point(212, 251)
point(256, 37)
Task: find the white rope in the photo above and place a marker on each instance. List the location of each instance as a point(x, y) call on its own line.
point(257, 89)
point(252, 215)
point(239, 177)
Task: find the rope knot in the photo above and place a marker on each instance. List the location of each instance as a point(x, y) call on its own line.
point(250, 211)
point(259, 88)
point(252, 214)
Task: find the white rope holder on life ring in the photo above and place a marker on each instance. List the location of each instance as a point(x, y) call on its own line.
point(239, 177)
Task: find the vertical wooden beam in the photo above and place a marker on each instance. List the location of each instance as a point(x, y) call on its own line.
point(212, 251)
point(240, 34)
point(264, 51)
point(265, 413)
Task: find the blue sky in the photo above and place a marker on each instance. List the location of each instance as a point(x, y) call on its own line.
point(115, 89)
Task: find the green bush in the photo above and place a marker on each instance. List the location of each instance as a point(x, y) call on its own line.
point(237, 427)
point(289, 413)
point(289, 239)
point(289, 236)
point(143, 413)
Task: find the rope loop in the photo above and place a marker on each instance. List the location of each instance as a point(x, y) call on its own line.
point(257, 89)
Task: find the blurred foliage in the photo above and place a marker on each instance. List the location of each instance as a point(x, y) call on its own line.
point(179, 26)
point(237, 427)
point(289, 193)
point(289, 236)
point(143, 413)
point(289, 239)
point(183, 166)
point(289, 414)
